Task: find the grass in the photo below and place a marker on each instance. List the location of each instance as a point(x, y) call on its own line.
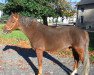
point(11, 38)
point(92, 59)
point(15, 34)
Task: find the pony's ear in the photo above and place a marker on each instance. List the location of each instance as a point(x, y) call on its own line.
point(15, 15)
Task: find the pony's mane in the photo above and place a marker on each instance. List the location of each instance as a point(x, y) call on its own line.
point(26, 20)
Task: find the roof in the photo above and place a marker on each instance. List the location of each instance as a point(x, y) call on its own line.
point(83, 2)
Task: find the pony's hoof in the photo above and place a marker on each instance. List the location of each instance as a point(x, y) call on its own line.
point(39, 74)
point(74, 74)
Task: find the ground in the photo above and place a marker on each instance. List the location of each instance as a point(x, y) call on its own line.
point(16, 60)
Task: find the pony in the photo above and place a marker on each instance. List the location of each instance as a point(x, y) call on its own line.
point(43, 38)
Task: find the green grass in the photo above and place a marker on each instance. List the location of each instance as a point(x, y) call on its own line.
point(15, 34)
point(92, 59)
point(1, 26)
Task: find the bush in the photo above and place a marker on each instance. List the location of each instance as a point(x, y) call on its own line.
point(91, 44)
point(4, 18)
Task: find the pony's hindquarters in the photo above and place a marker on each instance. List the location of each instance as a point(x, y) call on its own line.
point(80, 52)
point(86, 57)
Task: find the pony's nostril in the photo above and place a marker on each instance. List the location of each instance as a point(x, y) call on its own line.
point(5, 31)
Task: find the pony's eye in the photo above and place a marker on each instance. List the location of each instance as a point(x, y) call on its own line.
point(13, 22)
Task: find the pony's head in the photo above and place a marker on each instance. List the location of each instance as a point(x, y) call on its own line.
point(12, 23)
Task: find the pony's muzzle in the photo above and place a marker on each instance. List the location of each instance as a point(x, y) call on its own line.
point(5, 31)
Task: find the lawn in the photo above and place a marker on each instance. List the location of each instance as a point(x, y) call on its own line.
point(14, 38)
point(18, 38)
point(15, 34)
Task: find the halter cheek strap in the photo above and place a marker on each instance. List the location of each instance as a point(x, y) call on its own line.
point(15, 18)
point(13, 26)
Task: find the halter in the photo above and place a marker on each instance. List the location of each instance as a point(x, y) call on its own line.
point(13, 26)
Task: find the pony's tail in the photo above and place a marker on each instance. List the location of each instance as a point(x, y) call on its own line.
point(86, 57)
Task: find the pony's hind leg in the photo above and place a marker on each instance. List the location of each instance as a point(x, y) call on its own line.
point(78, 53)
point(76, 61)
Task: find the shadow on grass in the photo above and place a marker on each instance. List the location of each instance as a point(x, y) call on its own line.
point(27, 52)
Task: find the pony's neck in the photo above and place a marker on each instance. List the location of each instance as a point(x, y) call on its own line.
point(30, 29)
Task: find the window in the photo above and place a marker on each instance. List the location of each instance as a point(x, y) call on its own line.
point(82, 19)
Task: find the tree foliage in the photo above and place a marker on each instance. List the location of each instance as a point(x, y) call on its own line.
point(38, 8)
point(1, 6)
point(34, 8)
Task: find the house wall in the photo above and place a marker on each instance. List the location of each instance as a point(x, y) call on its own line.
point(87, 12)
point(87, 1)
point(1, 13)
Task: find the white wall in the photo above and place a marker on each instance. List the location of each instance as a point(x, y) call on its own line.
point(88, 15)
point(1, 13)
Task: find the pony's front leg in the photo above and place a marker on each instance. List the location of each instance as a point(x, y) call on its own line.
point(39, 53)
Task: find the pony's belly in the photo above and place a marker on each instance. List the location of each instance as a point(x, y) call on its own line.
point(55, 48)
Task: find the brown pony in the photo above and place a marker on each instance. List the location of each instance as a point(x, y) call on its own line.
point(43, 38)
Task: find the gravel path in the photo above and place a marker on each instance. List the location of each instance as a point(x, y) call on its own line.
point(20, 61)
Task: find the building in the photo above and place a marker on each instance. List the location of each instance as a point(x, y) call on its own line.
point(85, 14)
point(1, 13)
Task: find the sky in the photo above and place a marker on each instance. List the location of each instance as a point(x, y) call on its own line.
point(3, 1)
point(74, 0)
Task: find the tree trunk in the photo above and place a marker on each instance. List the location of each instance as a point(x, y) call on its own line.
point(45, 20)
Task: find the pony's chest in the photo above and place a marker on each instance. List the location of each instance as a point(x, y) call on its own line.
point(37, 42)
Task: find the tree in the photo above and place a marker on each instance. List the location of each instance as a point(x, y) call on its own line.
point(65, 8)
point(4, 16)
point(36, 8)
point(1, 6)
